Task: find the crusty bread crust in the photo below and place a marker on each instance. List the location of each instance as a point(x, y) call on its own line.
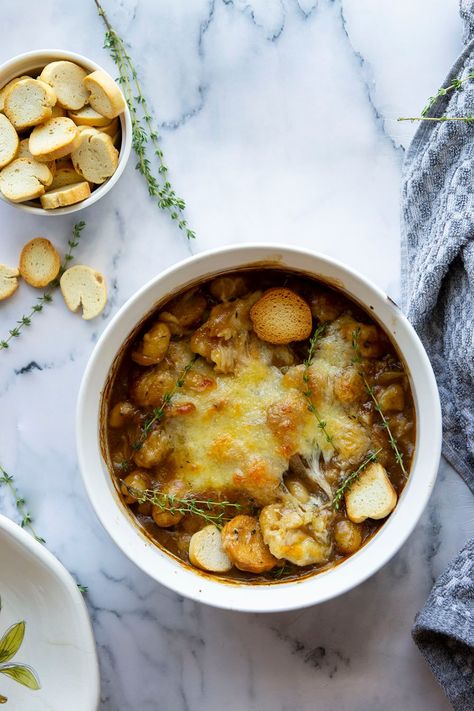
point(83, 286)
point(281, 316)
point(39, 262)
point(9, 141)
point(371, 496)
point(206, 551)
point(96, 157)
point(8, 281)
point(87, 116)
point(66, 78)
point(105, 96)
point(66, 195)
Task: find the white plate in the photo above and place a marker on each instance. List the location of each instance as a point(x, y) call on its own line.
point(58, 648)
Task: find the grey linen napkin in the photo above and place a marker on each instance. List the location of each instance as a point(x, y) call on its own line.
point(438, 294)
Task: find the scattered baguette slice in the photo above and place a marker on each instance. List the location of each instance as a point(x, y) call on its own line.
point(7, 87)
point(8, 281)
point(24, 179)
point(206, 551)
point(54, 139)
point(281, 316)
point(111, 128)
point(39, 262)
point(371, 496)
point(66, 175)
point(83, 286)
point(105, 96)
point(24, 152)
point(66, 78)
point(28, 103)
point(66, 195)
point(95, 158)
point(8, 141)
point(87, 116)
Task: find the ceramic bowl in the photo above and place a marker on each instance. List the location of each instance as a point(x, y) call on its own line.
point(262, 597)
point(32, 63)
point(54, 666)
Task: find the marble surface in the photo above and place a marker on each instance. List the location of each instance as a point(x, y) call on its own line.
point(279, 124)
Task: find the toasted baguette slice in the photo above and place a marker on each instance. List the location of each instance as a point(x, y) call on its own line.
point(8, 281)
point(67, 195)
point(24, 179)
point(206, 551)
point(83, 286)
point(66, 78)
point(87, 116)
point(66, 175)
point(371, 495)
point(39, 262)
point(105, 96)
point(24, 152)
point(54, 139)
point(7, 87)
point(28, 103)
point(95, 158)
point(281, 316)
point(9, 141)
point(111, 127)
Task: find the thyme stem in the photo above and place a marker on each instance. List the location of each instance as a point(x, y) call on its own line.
point(144, 134)
point(20, 503)
point(456, 85)
point(308, 393)
point(466, 119)
point(46, 296)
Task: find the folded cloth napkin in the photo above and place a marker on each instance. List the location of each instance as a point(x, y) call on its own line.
point(438, 294)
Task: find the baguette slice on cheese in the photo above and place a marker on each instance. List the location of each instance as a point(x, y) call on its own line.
point(39, 262)
point(206, 551)
point(66, 78)
point(87, 116)
point(105, 96)
point(281, 316)
point(83, 286)
point(371, 496)
point(63, 196)
point(23, 179)
point(8, 281)
point(8, 141)
point(28, 103)
point(96, 157)
point(54, 139)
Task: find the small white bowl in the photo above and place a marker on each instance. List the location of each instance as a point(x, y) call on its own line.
point(262, 597)
point(58, 646)
point(32, 63)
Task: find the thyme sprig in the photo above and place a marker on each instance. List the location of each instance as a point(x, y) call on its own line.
point(20, 503)
point(393, 442)
point(204, 508)
point(349, 480)
point(159, 412)
point(144, 134)
point(46, 297)
point(456, 85)
point(308, 393)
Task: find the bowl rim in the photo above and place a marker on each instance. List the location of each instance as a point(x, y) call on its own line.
point(57, 570)
point(273, 597)
point(125, 123)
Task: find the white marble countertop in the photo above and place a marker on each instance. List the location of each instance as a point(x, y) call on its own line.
point(279, 123)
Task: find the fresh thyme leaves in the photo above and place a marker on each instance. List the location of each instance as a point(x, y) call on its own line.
point(46, 297)
point(144, 134)
point(159, 412)
point(371, 392)
point(82, 588)
point(213, 512)
point(20, 503)
point(349, 480)
point(456, 85)
point(313, 343)
point(278, 573)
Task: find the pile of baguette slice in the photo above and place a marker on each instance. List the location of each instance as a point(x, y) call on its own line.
point(59, 134)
